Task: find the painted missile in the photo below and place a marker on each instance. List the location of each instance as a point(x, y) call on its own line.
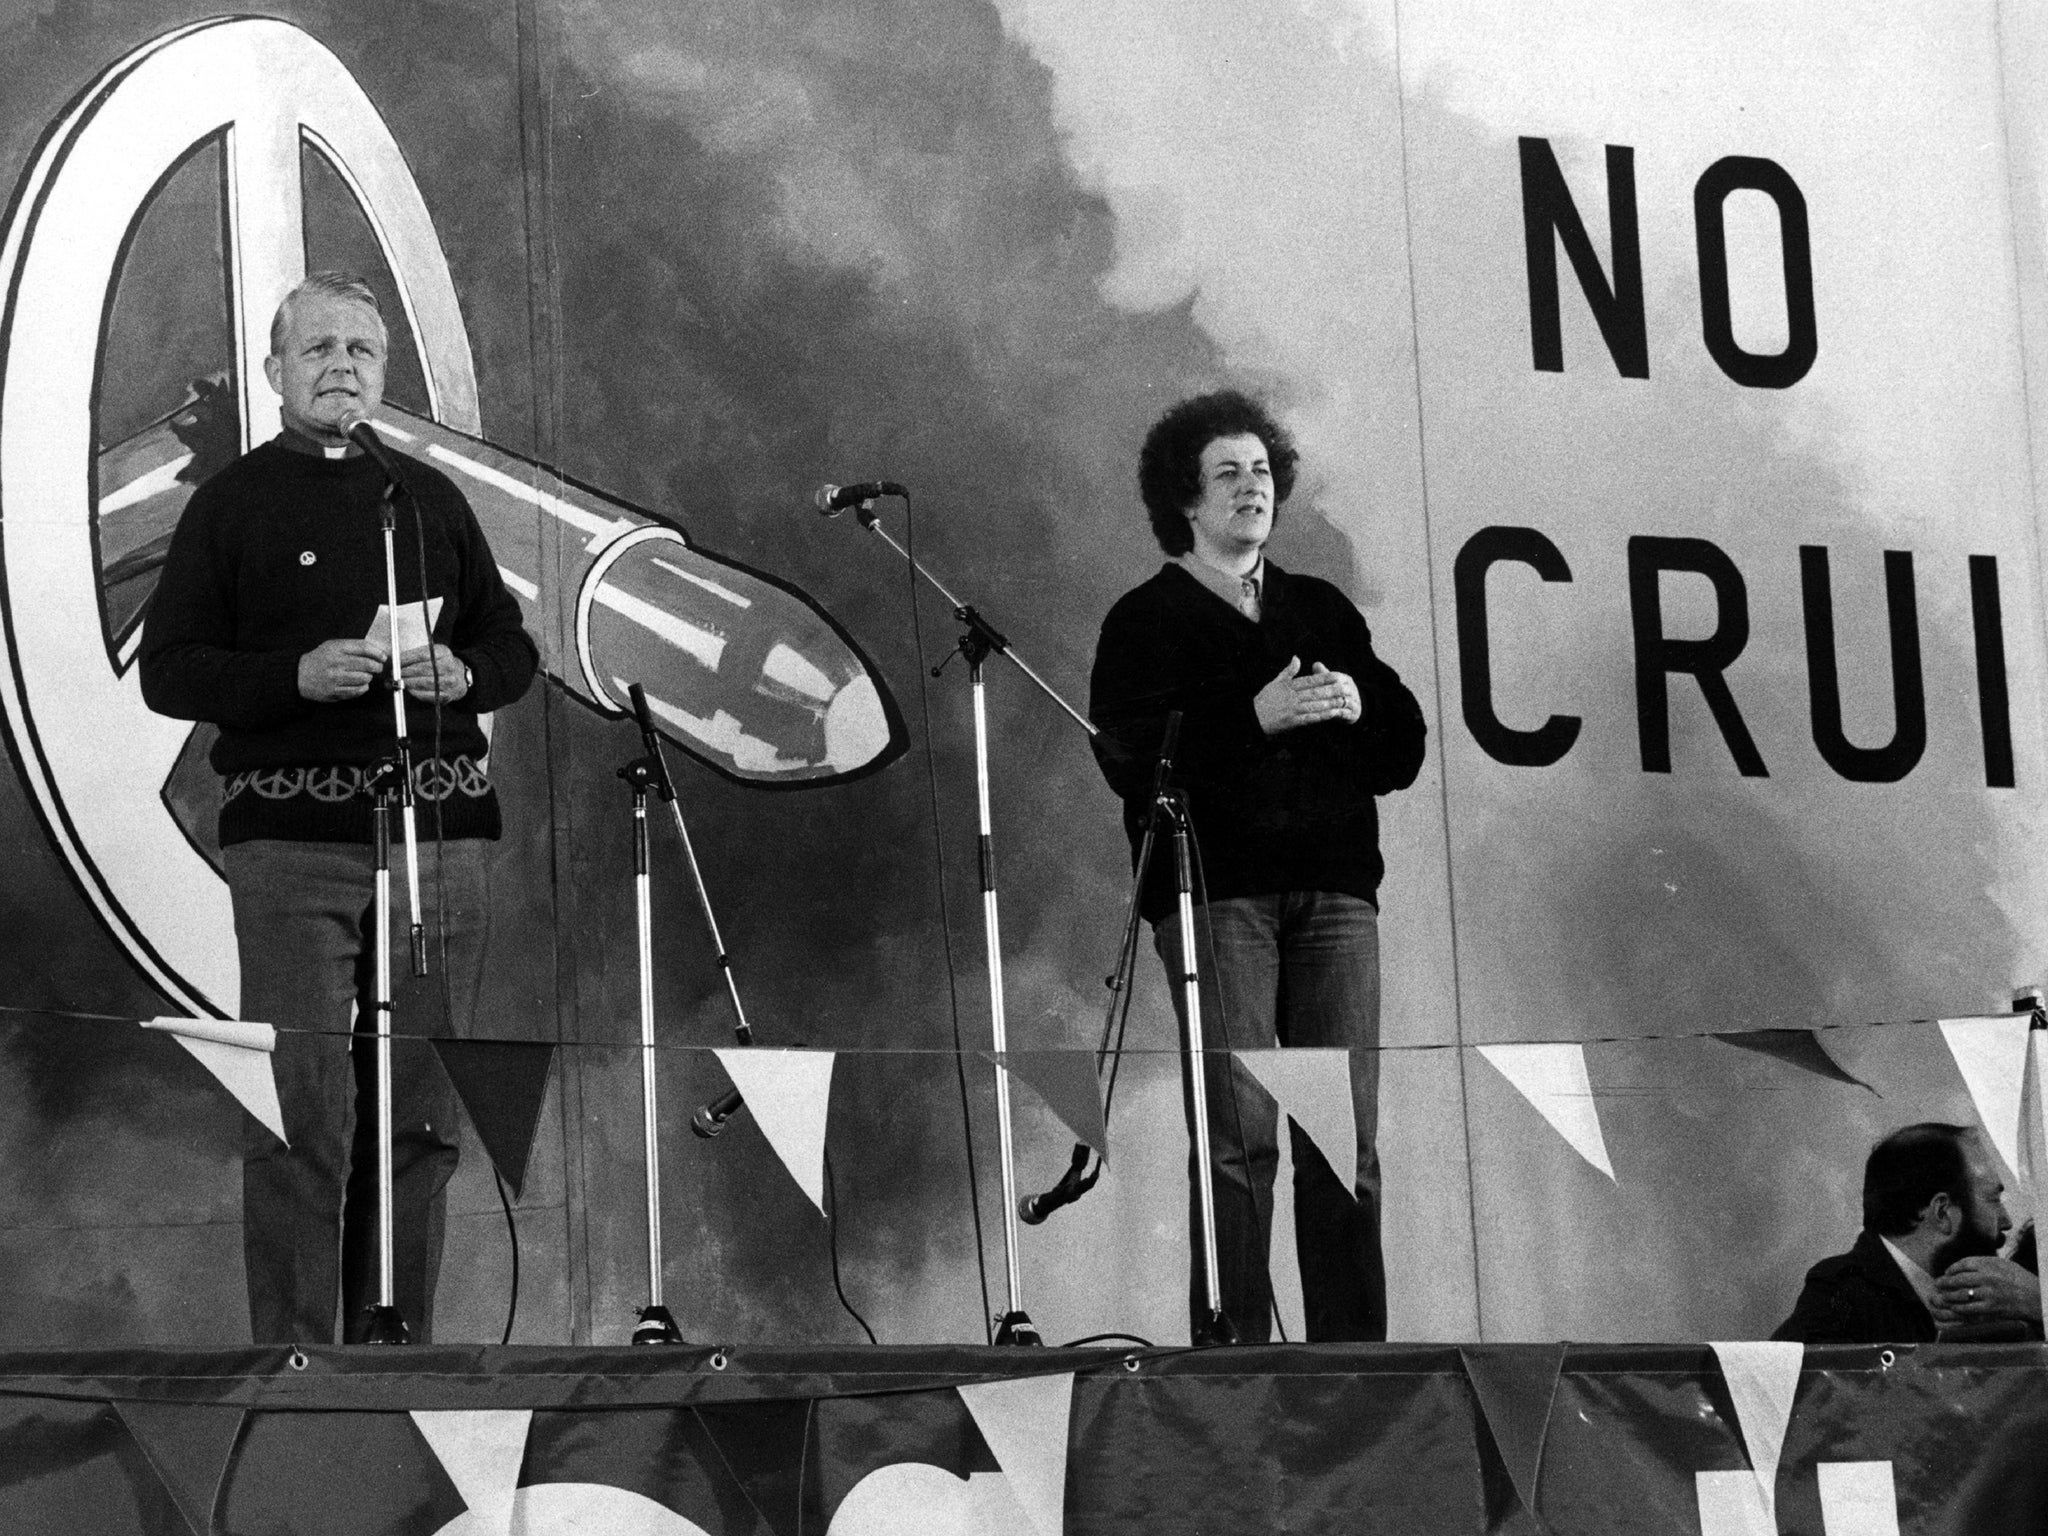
point(743, 671)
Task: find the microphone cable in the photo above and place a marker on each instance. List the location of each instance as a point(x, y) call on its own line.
point(832, 1226)
point(931, 767)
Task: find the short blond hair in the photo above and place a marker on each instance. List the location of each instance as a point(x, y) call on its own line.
point(333, 285)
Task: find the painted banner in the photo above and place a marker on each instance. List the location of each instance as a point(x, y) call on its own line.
point(1667, 382)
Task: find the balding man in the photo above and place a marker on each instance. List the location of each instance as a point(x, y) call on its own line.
point(264, 625)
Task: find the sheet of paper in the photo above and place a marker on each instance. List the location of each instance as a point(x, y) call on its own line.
point(413, 625)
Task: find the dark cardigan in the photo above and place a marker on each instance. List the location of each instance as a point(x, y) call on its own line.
point(1293, 812)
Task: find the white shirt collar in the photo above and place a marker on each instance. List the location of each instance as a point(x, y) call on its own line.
point(1226, 586)
point(1921, 1281)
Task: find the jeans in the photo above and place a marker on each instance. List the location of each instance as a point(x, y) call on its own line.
point(303, 926)
point(1300, 968)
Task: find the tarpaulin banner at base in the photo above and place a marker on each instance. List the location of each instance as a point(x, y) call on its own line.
point(862, 1442)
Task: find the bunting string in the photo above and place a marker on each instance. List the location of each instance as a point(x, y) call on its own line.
point(1653, 1037)
point(503, 1083)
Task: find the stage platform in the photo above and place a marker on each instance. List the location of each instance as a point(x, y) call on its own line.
point(694, 1441)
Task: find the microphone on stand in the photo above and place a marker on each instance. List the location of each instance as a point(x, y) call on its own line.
point(831, 500)
point(710, 1118)
point(1071, 1187)
point(365, 437)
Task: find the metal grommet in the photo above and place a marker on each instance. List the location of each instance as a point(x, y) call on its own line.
point(718, 1359)
point(1887, 1359)
point(297, 1359)
point(1132, 1362)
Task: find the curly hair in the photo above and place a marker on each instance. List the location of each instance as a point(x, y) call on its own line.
point(1170, 463)
point(333, 285)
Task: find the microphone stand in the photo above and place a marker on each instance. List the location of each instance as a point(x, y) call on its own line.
point(1077, 1180)
point(1168, 807)
point(650, 771)
point(391, 777)
point(400, 731)
point(1215, 1327)
point(977, 641)
point(387, 1323)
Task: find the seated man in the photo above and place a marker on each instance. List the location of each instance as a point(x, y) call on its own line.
point(1933, 1222)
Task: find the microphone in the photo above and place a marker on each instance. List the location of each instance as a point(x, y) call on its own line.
point(645, 719)
point(710, 1118)
point(835, 499)
point(365, 437)
point(1071, 1187)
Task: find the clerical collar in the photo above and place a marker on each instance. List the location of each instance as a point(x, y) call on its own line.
point(299, 442)
point(1232, 589)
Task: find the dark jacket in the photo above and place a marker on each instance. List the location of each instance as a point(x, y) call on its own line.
point(1858, 1297)
point(1292, 812)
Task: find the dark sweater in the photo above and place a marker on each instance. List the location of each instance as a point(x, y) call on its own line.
point(281, 551)
point(1292, 812)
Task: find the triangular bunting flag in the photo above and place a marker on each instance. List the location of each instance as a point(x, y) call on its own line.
point(1553, 1079)
point(788, 1093)
point(1800, 1047)
point(1024, 1420)
point(237, 1053)
point(2034, 1138)
point(763, 1446)
point(1067, 1082)
point(1313, 1088)
point(1762, 1377)
point(481, 1450)
point(1515, 1385)
point(502, 1084)
point(187, 1446)
point(1991, 1055)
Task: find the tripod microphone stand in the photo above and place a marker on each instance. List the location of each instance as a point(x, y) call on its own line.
point(977, 641)
point(1169, 808)
point(650, 771)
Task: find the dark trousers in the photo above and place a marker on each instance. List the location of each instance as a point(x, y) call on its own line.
point(303, 927)
point(1302, 969)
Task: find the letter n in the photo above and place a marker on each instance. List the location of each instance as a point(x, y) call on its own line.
point(1549, 216)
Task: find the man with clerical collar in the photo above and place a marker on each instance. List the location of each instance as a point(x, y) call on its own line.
point(1291, 725)
point(1926, 1262)
point(265, 623)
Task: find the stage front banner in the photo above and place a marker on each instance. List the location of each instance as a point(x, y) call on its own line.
point(947, 1442)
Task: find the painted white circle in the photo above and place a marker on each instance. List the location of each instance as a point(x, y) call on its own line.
point(578, 1509)
point(914, 1498)
point(587, 595)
